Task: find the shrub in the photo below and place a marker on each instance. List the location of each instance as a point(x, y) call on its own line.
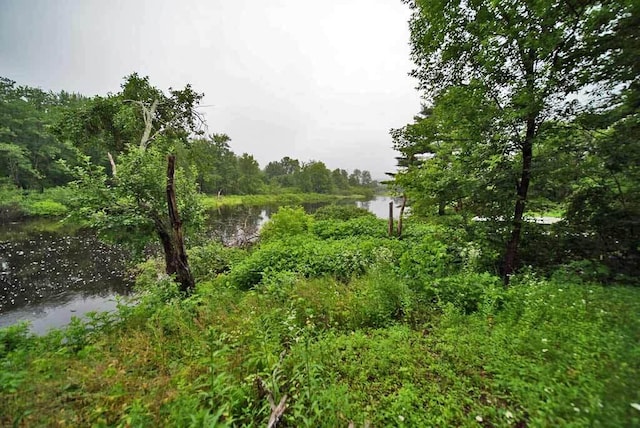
point(285, 223)
point(46, 208)
point(467, 291)
point(359, 226)
point(309, 257)
point(210, 260)
point(341, 212)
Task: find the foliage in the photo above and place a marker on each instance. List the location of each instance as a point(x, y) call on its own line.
point(340, 212)
point(210, 260)
point(126, 210)
point(539, 353)
point(359, 226)
point(309, 257)
point(285, 223)
point(502, 82)
point(28, 150)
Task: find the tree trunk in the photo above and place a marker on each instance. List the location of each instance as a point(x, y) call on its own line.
point(390, 224)
point(172, 237)
point(404, 204)
point(511, 255)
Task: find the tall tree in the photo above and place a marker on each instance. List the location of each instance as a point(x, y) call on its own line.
point(140, 196)
point(28, 150)
point(526, 58)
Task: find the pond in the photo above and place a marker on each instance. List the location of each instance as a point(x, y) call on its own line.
point(50, 273)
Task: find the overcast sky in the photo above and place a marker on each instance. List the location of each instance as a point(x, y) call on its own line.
point(313, 80)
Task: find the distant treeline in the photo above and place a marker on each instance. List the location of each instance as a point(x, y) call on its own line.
point(44, 135)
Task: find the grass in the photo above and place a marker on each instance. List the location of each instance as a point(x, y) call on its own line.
point(211, 202)
point(17, 204)
point(364, 330)
point(539, 354)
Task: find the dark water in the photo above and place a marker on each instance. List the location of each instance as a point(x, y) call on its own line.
point(49, 273)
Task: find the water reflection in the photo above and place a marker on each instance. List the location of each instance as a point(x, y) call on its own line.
point(44, 269)
point(49, 272)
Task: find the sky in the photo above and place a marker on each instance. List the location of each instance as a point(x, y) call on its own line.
point(312, 80)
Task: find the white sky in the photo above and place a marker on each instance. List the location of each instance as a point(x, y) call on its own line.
point(321, 80)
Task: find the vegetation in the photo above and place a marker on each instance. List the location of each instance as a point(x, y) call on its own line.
point(525, 106)
point(345, 325)
point(474, 316)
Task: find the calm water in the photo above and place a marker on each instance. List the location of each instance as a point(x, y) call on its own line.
point(49, 274)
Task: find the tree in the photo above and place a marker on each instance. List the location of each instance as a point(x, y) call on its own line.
point(283, 172)
point(355, 177)
point(315, 177)
point(140, 197)
point(29, 150)
point(215, 164)
point(523, 59)
point(250, 180)
point(340, 179)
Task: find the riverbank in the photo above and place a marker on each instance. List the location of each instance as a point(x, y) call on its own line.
point(212, 202)
point(17, 205)
point(341, 324)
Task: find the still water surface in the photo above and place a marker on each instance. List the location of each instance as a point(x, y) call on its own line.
point(49, 274)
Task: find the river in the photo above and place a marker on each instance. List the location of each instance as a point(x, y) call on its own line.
point(50, 273)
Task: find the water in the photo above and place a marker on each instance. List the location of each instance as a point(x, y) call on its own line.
point(49, 273)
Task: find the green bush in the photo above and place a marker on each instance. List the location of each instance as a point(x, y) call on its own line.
point(425, 261)
point(468, 292)
point(210, 260)
point(46, 208)
point(309, 257)
point(13, 337)
point(341, 212)
point(360, 226)
point(285, 223)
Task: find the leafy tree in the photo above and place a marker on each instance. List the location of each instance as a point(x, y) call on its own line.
point(340, 179)
point(315, 177)
point(29, 150)
point(250, 176)
point(139, 198)
point(355, 178)
point(283, 172)
point(519, 61)
point(215, 164)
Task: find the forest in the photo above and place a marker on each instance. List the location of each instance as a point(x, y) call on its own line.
point(468, 312)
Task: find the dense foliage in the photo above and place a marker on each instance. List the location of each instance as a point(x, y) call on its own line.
point(365, 329)
point(531, 109)
point(529, 106)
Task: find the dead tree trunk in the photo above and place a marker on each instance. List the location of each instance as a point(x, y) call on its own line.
point(404, 204)
point(173, 238)
point(390, 226)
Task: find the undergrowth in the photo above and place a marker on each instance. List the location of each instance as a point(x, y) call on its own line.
point(359, 329)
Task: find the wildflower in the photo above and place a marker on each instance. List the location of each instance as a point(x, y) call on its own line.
point(401, 418)
point(545, 350)
point(635, 406)
point(576, 409)
point(479, 418)
point(508, 414)
point(544, 340)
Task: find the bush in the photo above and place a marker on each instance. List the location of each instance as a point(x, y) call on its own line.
point(210, 260)
point(13, 337)
point(341, 212)
point(285, 223)
point(310, 258)
point(468, 292)
point(359, 226)
point(46, 208)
